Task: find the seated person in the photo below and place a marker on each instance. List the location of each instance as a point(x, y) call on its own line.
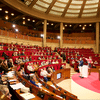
point(63, 67)
point(27, 59)
point(53, 69)
point(53, 62)
point(33, 79)
point(15, 49)
point(72, 58)
point(14, 54)
point(49, 70)
point(30, 59)
point(10, 63)
point(23, 59)
point(19, 54)
point(23, 53)
point(44, 73)
point(5, 55)
point(95, 62)
point(30, 67)
point(1, 47)
point(20, 60)
point(4, 89)
point(17, 61)
point(56, 62)
point(35, 65)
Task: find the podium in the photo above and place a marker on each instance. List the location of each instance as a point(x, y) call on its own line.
point(85, 71)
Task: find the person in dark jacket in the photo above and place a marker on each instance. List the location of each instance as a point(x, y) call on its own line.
point(80, 67)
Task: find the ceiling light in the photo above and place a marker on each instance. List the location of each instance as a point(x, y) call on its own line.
point(83, 28)
point(13, 25)
point(70, 25)
point(33, 20)
point(66, 25)
point(47, 23)
point(6, 17)
point(42, 22)
point(80, 25)
point(58, 37)
point(12, 14)
point(42, 35)
point(6, 12)
point(51, 23)
point(63, 28)
point(23, 22)
point(28, 19)
point(23, 17)
point(85, 25)
point(16, 30)
point(0, 9)
point(90, 24)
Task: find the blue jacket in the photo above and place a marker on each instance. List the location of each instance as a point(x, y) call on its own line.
point(81, 63)
point(34, 83)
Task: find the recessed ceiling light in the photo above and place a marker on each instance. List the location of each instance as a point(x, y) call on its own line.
point(70, 25)
point(23, 17)
point(90, 24)
point(23, 22)
point(16, 30)
point(47, 23)
point(83, 28)
point(13, 25)
point(63, 28)
point(6, 17)
point(85, 25)
point(6, 11)
point(65, 24)
point(0, 9)
point(42, 22)
point(80, 25)
point(51, 23)
point(12, 14)
point(28, 19)
point(33, 20)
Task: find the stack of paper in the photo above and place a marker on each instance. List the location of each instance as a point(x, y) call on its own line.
point(27, 96)
point(17, 86)
point(53, 86)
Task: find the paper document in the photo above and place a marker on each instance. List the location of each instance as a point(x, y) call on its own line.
point(27, 96)
point(17, 86)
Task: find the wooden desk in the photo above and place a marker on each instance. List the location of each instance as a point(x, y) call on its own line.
point(65, 74)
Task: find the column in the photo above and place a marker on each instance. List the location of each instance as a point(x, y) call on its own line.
point(44, 32)
point(61, 34)
point(97, 37)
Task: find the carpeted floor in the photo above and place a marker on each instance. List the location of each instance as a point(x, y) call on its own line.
point(91, 83)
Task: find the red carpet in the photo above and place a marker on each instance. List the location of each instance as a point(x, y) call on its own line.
point(91, 83)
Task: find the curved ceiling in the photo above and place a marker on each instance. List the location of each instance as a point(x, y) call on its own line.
point(68, 11)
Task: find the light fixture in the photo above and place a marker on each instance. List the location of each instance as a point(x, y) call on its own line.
point(23, 17)
point(42, 35)
point(70, 25)
point(42, 22)
point(85, 25)
point(65, 24)
point(63, 28)
point(12, 14)
point(80, 25)
point(83, 28)
point(90, 24)
point(23, 22)
point(51, 23)
point(13, 25)
point(33, 20)
point(16, 30)
point(6, 11)
point(0, 9)
point(58, 37)
point(28, 19)
point(47, 23)
point(6, 17)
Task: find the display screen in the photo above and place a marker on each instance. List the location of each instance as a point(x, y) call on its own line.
point(58, 75)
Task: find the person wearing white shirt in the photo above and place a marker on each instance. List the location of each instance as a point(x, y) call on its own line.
point(30, 67)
